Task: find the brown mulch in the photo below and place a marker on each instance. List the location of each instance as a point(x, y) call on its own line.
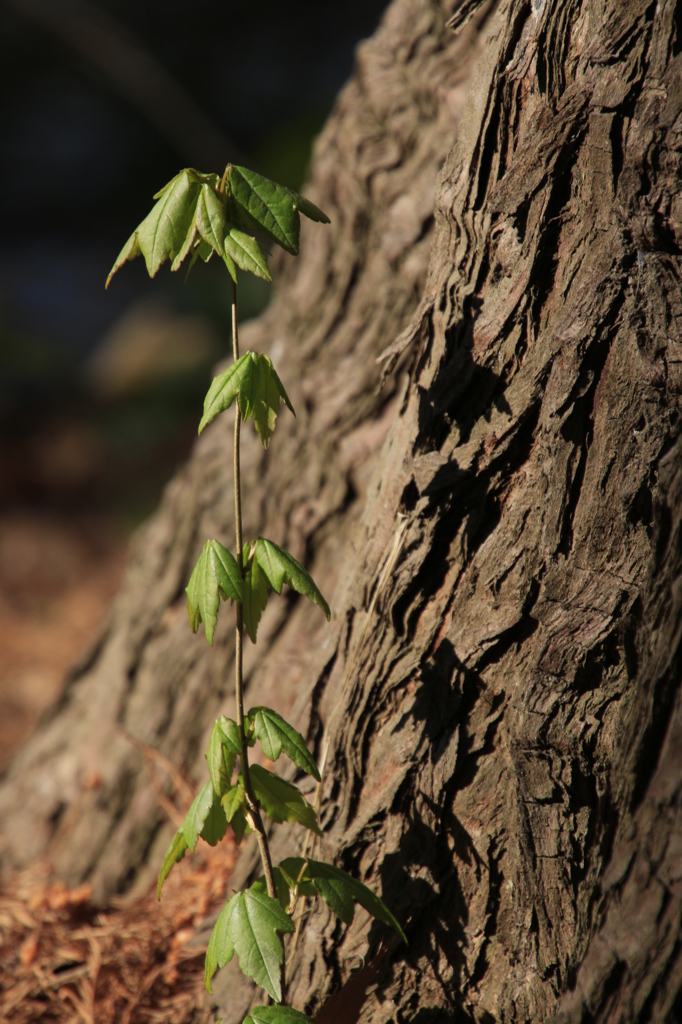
point(63, 959)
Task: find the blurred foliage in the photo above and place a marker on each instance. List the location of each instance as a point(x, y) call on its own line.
point(82, 150)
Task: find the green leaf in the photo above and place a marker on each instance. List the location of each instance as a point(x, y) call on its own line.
point(247, 253)
point(250, 925)
point(173, 855)
point(238, 381)
point(340, 891)
point(220, 947)
point(253, 381)
point(255, 596)
point(271, 208)
point(276, 735)
point(277, 1015)
point(163, 232)
point(281, 567)
point(230, 734)
point(221, 758)
point(266, 405)
point(210, 219)
point(197, 815)
point(281, 800)
point(239, 825)
point(206, 229)
point(215, 575)
point(233, 799)
point(215, 825)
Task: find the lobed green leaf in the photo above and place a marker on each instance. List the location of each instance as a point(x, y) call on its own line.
point(220, 947)
point(163, 232)
point(280, 567)
point(255, 595)
point(215, 825)
point(271, 208)
point(193, 217)
point(240, 825)
point(173, 855)
point(197, 815)
point(281, 800)
point(276, 735)
point(233, 799)
point(230, 735)
point(246, 252)
point(250, 924)
point(254, 383)
point(215, 575)
point(221, 758)
point(340, 890)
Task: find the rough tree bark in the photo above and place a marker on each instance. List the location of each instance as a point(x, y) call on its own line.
point(498, 698)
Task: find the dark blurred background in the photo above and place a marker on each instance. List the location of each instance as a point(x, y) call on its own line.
point(101, 103)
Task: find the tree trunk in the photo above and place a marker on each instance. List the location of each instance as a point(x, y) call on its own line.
point(497, 702)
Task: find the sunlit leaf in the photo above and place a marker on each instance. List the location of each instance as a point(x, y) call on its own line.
point(250, 925)
point(266, 405)
point(271, 208)
point(254, 383)
point(221, 759)
point(255, 598)
point(230, 733)
point(215, 825)
point(197, 815)
point(233, 799)
point(175, 852)
point(215, 575)
point(281, 800)
point(210, 219)
point(163, 232)
point(220, 947)
point(340, 890)
point(276, 735)
point(280, 567)
point(246, 252)
point(240, 825)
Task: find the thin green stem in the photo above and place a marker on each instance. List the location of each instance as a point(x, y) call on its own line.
point(252, 804)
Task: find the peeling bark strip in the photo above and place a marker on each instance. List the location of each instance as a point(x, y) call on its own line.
point(499, 700)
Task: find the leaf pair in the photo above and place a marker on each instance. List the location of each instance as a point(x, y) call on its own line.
point(220, 802)
point(338, 889)
point(270, 564)
point(251, 922)
point(254, 383)
point(216, 574)
point(191, 218)
point(198, 214)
